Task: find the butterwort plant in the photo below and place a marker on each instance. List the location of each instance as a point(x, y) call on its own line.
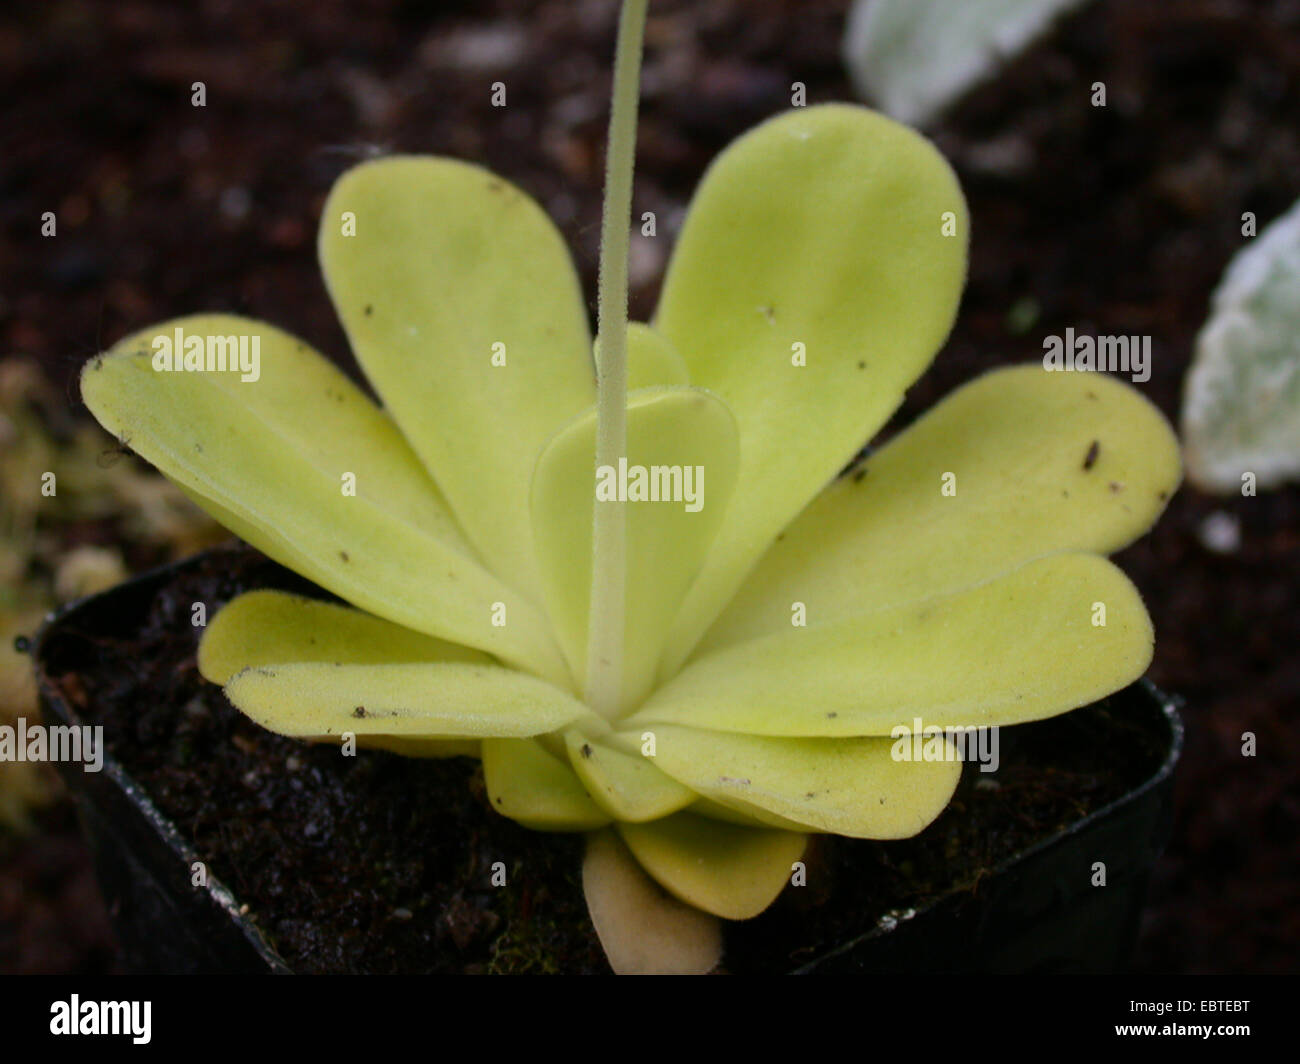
point(624, 574)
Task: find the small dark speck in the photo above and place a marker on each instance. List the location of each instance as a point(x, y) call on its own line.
point(343, 554)
point(832, 716)
point(862, 365)
point(1090, 458)
point(586, 749)
point(858, 474)
point(1065, 493)
point(359, 712)
point(1092, 395)
point(199, 447)
point(1162, 495)
point(810, 794)
point(1116, 487)
point(498, 801)
point(882, 801)
point(780, 536)
point(495, 186)
point(369, 310)
point(22, 644)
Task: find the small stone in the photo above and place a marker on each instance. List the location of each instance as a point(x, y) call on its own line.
point(1220, 532)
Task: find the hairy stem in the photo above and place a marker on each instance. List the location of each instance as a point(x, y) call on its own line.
point(609, 532)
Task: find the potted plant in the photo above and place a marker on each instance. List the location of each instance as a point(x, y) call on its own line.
point(634, 600)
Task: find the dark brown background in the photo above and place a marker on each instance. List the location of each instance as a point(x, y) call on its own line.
point(1116, 220)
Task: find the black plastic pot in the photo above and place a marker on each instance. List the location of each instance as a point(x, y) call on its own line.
point(1037, 912)
point(1040, 912)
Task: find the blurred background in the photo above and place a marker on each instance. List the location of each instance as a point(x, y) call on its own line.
point(1109, 220)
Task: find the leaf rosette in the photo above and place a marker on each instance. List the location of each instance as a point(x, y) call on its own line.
point(463, 559)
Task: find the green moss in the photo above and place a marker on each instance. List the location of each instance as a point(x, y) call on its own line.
point(527, 946)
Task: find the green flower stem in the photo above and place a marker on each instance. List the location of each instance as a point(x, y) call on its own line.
point(609, 538)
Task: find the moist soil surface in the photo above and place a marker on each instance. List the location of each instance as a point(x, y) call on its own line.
point(379, 863)
point(1116, 220)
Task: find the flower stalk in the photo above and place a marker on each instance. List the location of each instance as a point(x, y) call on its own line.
point(609, 538)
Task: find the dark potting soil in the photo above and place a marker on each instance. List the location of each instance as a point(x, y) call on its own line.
point(378, 863)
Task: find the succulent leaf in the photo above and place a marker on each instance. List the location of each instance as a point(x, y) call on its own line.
point(744, 814)
point(267, 457)
point(651, 360)
point(453, 700)
point(642, 930)
point(626, 785)
point(532, 786)
point(824, 227)
point(276, 628)
point(682, 429)
point(1020, 443)
point(1021, 647)
point(850, 787)
point(447, 260)
point(730, 871)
